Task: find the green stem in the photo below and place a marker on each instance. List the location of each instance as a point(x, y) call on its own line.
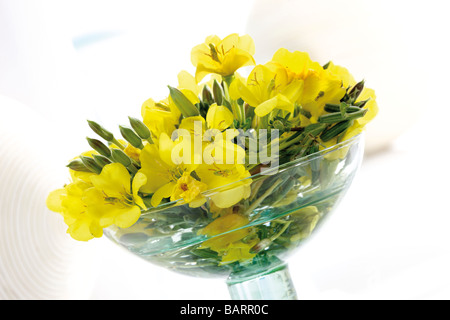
point(133, 169)
point(258, 201)
point(238, 111)
point(118, 144)
point(286, 225)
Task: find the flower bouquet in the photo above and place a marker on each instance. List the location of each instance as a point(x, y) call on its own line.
point(228, 175)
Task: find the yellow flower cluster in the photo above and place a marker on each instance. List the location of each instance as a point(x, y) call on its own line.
point(157, 163)
point(94, 202)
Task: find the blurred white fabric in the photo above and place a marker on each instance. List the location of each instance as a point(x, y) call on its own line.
point(38, 260)
point(380, 42)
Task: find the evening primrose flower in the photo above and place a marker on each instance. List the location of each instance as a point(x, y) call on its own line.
point(320, 88)
point(233, 179)
point(358, 125)
point(298, 64)
point(164, 174)
point(320, 85)
point(189, 189)
point(219, 117)
point(132, 152)
point(114, 182)
point(267, 89)
point(68, 202)
point(222, 57)
point(230, 246)
point(239, 251)
point(161, 117)
point(110, 198)
point(222, 225)
point(367, 94)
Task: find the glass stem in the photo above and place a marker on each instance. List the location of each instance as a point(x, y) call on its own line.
point(272, 284)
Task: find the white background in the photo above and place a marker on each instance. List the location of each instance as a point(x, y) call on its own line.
point(74, 60)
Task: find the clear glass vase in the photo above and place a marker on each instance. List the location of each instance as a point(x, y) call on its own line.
point(249, 243)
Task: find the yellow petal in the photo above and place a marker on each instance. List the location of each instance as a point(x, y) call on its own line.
point(346, 77)
point(235, 59)
point(190, 124)
point(219, 117)
point(293, 90)
point(54, 201)
point(371, 106)
point(80, 230)
point(139, 180)
point(228, 198)
point(277, 102)
point(239, 90)
point(154, 168)
point(114, 180)
point(192, 97)
point(187, 81)
point(164, 192)
point(166, 146)
point(127, 217)
point(222, 225)
point(79, 175)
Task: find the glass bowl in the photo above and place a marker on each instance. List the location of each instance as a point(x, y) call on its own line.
point(249, 243)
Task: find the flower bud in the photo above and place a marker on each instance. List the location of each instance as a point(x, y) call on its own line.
point(361, 104)
point(120, 157)
point(331, 108)
point(77, 165)
point(101, 160)
point(91, 164)
point(356, 91)
point(140, 128)
point(100, 147)
point(218, 93)
point(186, 107)
point(207, 95)
point(102, 132)
point(338, 117)
point(131, 137)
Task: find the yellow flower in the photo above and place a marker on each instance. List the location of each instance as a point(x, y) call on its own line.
point(222, 225)
point(230, 246)
point(68, 202)
point(219, 117)
point(298, 64)
point(190, 190)
point(132, 152)
point(186, 81)
point(222, 57)
point(371, 106)
point(239, 251)
point(320, 86)
point(221, 149)
point(358, 126)
point(344, 75)
point(228, 176)
point(161, 117)
point(267, 89)
point(194, 125)
point(109, 199)
point(163, 174)
point(367, 94)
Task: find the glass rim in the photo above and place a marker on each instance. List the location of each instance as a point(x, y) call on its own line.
point(296, 162)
